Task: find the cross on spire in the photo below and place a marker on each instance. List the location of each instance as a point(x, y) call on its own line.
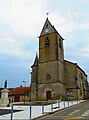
point(47, 14)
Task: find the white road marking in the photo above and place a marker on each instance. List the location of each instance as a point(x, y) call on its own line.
point(72, 113)
point(85, 113)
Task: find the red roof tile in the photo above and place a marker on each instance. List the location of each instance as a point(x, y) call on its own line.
point(19, 90)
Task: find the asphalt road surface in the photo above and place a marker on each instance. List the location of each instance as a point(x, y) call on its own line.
point(75, 112)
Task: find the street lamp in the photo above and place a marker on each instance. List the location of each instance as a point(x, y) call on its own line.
point(24, 90)
point(30, 85)
point(25, 83)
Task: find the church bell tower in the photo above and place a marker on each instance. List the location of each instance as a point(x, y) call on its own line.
point(51, 56)
point(50, 80)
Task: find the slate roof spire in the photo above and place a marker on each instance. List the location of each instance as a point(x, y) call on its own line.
point(36, 61)
point(48, 28)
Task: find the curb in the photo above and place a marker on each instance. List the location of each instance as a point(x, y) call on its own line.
point(56, 111)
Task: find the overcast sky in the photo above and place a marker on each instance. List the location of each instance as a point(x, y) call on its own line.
point(21, 22)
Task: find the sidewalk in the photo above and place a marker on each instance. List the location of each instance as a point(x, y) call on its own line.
point(36, 111)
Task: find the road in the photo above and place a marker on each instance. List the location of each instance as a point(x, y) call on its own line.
point(75, 112)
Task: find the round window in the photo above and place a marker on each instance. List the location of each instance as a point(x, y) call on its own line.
point(48, 76)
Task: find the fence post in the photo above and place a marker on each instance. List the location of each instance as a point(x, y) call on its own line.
point(11, 111)
point(68, 102)
point(51, 107)
point(30, 111)
point(64, 103)
point(72, 102)
point(58, 104)
point(42, 107)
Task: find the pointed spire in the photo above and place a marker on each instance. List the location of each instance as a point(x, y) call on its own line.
point(36, 61)
point(47, 28)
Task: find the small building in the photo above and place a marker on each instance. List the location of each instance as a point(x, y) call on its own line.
point(19, 94)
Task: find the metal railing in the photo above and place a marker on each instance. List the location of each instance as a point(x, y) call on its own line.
point(53, 106)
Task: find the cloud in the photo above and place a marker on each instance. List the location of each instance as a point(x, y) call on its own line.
point(18, 21)
point(20, 16)
point(21, 19)
point(85, 51)
point(84, 26)
point(9, 46)
point(21, 22)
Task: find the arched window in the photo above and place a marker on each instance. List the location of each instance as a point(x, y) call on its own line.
point(47, 42)
point(48, 76)
point(46, 26)
point(60, 44)
point(47, 49)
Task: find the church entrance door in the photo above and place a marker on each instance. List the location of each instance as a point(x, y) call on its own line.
point(48, 95)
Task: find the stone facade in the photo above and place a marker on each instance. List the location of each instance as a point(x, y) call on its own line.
point(76, 80)
point(52, 76)
point(4, 101)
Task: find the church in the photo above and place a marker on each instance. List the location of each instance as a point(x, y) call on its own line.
point(52, 76)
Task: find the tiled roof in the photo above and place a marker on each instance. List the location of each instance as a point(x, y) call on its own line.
point(19, 90)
